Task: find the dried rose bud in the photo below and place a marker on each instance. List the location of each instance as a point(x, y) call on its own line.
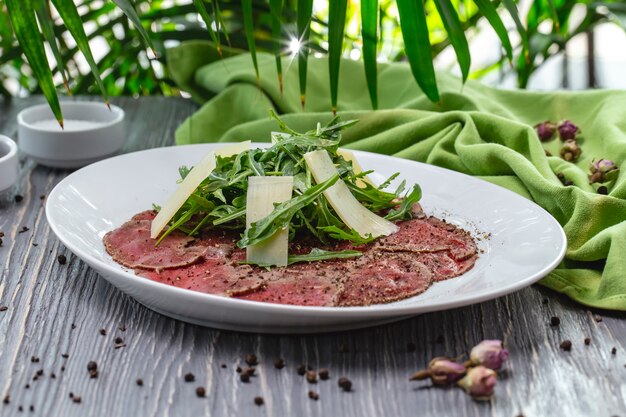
point(442, 371)
point(489, 353)
point(479, 382)
point(568, 130)
point(570, 151)
point(545, 130)
point(603, 170)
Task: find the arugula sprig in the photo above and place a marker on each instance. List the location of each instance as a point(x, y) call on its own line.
point(220, 200)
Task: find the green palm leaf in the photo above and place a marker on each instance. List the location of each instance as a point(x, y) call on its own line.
point(47, 28)
point(24, 23)
point(512, 8)
point(489, 11)
point(200, 6)
point(248, 25)
point(68, 12)
point(453, 26)
point(276, 11)
point(303, 22)
point(336, 25)
point(219, 20)
point(417, 46)
point(369, 27)
point(130, 12)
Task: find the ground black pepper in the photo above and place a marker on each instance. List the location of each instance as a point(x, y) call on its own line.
point(555, 321)
point(65, 355)
point(140, 382)
point(324, 374)
point(314, 395)
point(248, 371)
point(223, 366)
point(62, 259)
point(244, 377)
point(119, 340)
point(566, 345)
point(251, 359)
point(77, 399)
point(238, 369)
point(603, 190)
point(20, 408)
point(259, 401)
point(34, 359)
point(301, 369)
point(614, 351)
point(344, 383)
point(189, 377)
point(597, 318)
point(4, 308)
point(200, 392)
point(18, 198)
point(103, 332)
point(31, 408)
point(7, 399)
point(311, 377)
point(587, 340)
point(279, 363)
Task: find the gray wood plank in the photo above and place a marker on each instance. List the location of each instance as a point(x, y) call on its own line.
point(56, 309)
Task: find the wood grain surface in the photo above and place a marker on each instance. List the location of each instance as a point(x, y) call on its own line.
point(55, 310)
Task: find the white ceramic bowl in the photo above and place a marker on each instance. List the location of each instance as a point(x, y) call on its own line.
point(525, 243)
point(8, 163)
point(91, 133)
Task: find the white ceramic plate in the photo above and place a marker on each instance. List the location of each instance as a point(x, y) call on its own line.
point(526, 242)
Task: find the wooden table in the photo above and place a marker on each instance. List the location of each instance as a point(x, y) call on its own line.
point(56, 310)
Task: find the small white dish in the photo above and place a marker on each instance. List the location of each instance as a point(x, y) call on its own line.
point(8, 163)
point(91, 132)
point(525, 242)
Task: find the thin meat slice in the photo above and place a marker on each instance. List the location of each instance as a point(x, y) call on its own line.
point(314, 284)
point(131, 246)
point(425, 235)
point(384, 278)
point(211, 276)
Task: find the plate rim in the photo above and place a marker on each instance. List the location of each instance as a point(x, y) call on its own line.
point(388, 309)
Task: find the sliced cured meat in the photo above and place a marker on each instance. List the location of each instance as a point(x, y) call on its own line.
point(385, 278)
point(425, 235)
point(145, 215)
point(443, 266)
point(315, 284)
point(395, 267)
point(131, 246)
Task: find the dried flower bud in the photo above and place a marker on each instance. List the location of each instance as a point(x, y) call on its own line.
point(479, 382)
point(570, 150)
point(603, 170)
point(442, 371)
point(489, 353)
point(568, 130)
point(545, 130)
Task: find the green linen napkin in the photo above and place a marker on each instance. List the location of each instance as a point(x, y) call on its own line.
point(474, 129)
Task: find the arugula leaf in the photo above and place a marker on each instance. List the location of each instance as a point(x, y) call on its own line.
point(280, 217)
point(403, 212)
point(351, 235)
point(313, 256)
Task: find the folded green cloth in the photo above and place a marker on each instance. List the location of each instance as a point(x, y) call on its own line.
point(474, 129)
